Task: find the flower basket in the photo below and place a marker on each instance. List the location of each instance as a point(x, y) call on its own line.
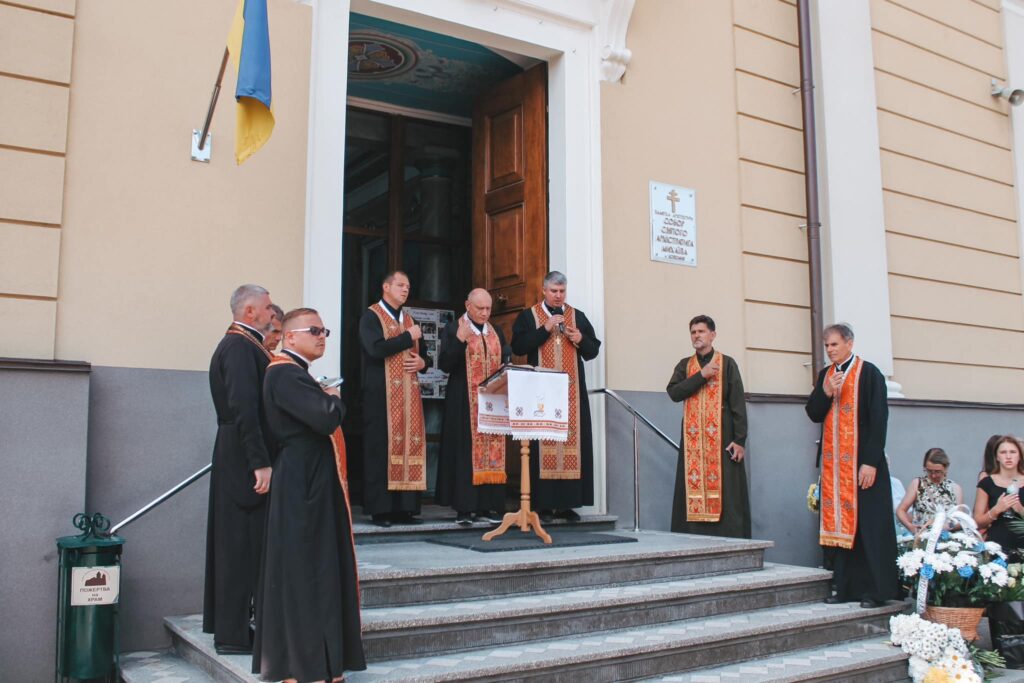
point(966, 619)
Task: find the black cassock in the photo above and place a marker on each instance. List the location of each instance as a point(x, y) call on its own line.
point(234, 526)
point(735, 518)
point(868, 570)
point(455, 465)
point(377, 500)
point(307, 617)
point(561, 494)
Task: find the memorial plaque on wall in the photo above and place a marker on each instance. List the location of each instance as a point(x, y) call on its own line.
point(673, 224)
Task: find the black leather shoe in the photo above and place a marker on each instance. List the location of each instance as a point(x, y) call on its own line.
point(833, 600)
point(868, 603)
point(546, 516)
point(381, 520)
point(568, 515)
point(463, 519)
point(405, 518)
point(223, 649)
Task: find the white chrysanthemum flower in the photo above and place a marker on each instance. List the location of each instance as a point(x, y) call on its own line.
point(965, 559)
point(942, 562)
point(911, 561)
point(918, 668)
point(986, 571)
point(995, 549)
point(902, 626)
point(999, 576)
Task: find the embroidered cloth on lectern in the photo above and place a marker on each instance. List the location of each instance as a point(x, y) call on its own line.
point(531, 405)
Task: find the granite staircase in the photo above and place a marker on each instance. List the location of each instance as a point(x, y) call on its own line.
point(660, 607)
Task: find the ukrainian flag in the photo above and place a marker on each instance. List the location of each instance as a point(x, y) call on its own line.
point(249, 45)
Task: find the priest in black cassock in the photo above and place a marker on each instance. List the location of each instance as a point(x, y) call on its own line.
point(711, 495)
point(390, 342)
point(555, 335)
point(241, 473)
point(856, 526)
point(471, 467)
point(307, 617)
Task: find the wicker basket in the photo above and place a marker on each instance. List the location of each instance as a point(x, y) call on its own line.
point(964, 618)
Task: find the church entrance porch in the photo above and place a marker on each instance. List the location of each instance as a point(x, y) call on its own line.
point(445, 179)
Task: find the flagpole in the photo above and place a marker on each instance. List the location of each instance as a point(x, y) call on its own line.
point(213, 99)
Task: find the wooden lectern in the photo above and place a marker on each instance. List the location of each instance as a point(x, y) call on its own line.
point(526, 403)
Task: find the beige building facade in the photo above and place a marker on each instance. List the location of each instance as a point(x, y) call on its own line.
point(118, 252)
point(102, 214)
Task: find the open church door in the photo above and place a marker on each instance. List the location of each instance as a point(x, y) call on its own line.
point(510, 194)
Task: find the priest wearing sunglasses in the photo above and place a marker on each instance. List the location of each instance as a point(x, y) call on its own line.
point(307, 617)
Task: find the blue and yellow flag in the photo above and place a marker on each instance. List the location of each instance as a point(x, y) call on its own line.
point(249, 45)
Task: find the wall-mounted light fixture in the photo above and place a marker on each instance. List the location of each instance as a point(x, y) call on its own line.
point(1014, 97)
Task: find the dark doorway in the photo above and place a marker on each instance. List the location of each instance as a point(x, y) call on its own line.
point(407, 207)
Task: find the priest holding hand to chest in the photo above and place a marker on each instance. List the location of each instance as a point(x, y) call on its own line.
point(471, 468)
point(711, 480)
point(555, 335)
point(857, 531)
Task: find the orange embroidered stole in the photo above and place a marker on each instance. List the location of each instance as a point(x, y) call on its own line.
point(407, 444)
point(702, 438)
point(839, 462)
point(235, 328)
point(340, 465)
point(561, 460)
point(483, 358)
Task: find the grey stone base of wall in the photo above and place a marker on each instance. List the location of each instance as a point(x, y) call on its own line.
point(43, 424)
point(148, 430)
point(781, 460)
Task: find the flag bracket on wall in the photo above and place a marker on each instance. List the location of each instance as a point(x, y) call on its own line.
point(203, 154)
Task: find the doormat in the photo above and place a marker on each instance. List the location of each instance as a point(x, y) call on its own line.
point(514, 539)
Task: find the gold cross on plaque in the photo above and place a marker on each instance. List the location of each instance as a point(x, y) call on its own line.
point(673, 198)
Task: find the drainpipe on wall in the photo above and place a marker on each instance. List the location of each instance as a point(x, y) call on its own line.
point(811, 186)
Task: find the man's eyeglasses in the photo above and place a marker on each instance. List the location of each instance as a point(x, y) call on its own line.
point(314, 330)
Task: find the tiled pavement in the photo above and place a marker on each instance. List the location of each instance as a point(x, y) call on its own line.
point(162, 666)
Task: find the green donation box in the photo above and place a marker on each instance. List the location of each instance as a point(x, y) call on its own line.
point(89, 583)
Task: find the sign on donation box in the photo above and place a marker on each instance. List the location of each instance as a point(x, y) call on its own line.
point(673, 224)
point(95, 585)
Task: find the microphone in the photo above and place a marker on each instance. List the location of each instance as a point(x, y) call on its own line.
point(559, 311)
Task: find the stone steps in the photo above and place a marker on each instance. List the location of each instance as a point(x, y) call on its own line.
point(420, 572)
point(697, 645)
point(645, 652)
point(434, 629)
point(871, 660)
point(663, 605)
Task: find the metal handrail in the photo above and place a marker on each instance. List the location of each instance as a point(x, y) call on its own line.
point(169, 493)
point(638, 417)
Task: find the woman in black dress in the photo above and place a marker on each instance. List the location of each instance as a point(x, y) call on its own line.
point(998, 501)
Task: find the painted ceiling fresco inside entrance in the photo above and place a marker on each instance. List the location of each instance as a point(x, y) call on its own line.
point(410, 67)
